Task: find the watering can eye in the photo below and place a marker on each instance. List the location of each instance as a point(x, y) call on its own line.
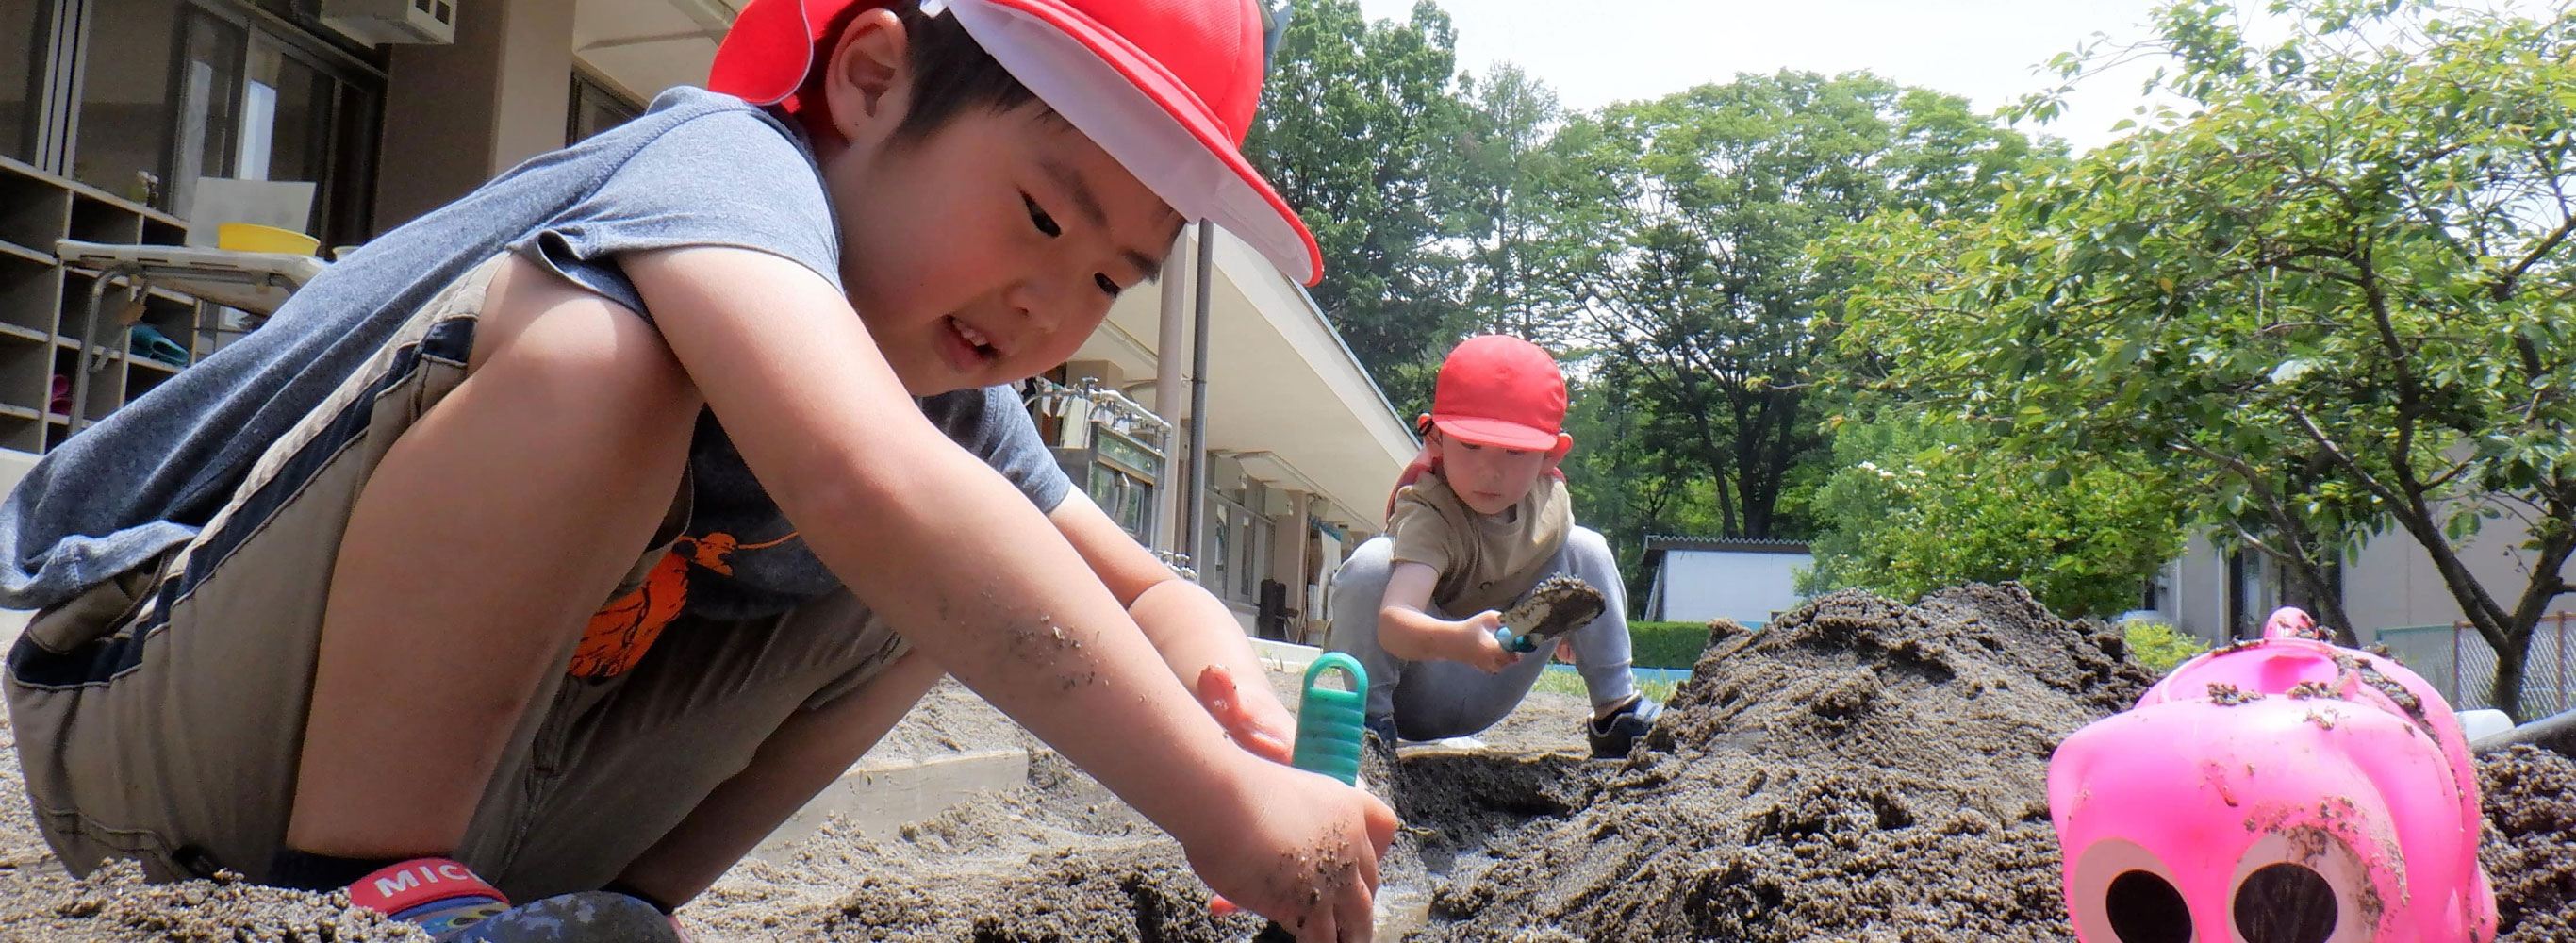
point(2143, 907)
point(2285, 902)
point(2301, 885)
point(2120, 892)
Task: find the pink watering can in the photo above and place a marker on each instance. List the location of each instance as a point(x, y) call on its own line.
point(2282, 790)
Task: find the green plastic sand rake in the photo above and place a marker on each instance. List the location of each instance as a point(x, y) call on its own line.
point(1330, 723)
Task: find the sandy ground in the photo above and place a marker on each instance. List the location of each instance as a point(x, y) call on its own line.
point(1861, 772)
point(1037, 864)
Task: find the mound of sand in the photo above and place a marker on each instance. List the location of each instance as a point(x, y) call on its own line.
point(1859, 770)
point(2530, 847)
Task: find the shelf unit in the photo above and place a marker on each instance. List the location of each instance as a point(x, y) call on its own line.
point(44, 305)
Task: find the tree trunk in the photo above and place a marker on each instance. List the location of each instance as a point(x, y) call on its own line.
point(2505, 693)
point(2507, 632)
point(2311, 587)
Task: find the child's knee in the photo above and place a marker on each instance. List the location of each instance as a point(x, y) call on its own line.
point(1586, 548)
point(1365, 571)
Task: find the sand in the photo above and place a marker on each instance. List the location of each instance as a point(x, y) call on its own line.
point(2530, 848)
point(1861, 771)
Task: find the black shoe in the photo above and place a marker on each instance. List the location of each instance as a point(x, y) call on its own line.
point(1613, 736)
point(1382, 725)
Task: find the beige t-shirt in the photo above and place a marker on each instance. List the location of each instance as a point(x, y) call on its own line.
point(1485, 561)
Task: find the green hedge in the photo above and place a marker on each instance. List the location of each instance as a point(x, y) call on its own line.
point(2160, 647)
point(1667, 644)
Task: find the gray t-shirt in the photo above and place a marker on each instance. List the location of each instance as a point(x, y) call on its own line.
point(698, 168)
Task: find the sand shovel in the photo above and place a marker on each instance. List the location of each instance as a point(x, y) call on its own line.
point(1559, 604)
point(1331, 726)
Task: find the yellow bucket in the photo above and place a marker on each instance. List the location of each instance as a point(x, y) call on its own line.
point(252, 237)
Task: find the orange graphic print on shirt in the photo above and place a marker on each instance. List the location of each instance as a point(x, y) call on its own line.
point(621, 632)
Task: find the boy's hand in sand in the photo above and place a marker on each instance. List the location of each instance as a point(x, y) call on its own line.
point(1472, 641)
point(1253, 718)
point(1303, 851)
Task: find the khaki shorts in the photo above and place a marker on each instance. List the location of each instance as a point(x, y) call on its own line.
point(160, 715)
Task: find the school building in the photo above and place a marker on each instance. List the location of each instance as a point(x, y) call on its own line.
point(128, 125)
point(2395, 597)
point(1697, 579)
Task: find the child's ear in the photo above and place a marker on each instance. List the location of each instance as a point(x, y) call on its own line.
point(1564, 445)
point(865, 82)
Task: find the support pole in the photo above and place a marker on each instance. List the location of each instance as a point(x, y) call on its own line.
point(1193, 502)
point(1169, 334)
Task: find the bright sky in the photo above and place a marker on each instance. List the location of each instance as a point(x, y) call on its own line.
point(1595, 53)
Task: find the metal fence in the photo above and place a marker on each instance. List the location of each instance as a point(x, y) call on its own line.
point(2458, 661)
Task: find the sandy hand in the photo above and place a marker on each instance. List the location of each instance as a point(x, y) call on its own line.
point(1256, 721)
point(1304, 853)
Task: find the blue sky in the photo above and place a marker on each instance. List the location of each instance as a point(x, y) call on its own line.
point(1595, 53)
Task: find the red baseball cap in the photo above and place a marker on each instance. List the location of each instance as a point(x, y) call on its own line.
point(1167, 87)
point(1501, 391)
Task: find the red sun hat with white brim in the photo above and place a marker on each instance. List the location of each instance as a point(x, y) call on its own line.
point(1166, 87)
point(1500, 391)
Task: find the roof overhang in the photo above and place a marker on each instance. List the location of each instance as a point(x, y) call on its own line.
point(641, 47)
point(1285, 397)
point(1657, 544)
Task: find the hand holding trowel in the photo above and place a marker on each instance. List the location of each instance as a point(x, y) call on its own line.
point(1560, 604)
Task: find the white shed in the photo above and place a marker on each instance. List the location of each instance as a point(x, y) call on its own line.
point(1701, 578)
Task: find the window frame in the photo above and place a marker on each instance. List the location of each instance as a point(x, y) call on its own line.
point(344, 199)
point(1239, 539)
point(585, 88)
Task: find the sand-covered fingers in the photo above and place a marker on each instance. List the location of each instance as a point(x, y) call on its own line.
point(1303, 851)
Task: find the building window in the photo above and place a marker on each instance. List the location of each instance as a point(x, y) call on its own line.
point(26, 70)
point(595, 108)
point(1216, 561)
point(1239, 539)
point(175, 92)
point(1124, 486)
point(166, 113)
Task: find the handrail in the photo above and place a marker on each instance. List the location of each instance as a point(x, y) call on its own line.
point(1125, 413)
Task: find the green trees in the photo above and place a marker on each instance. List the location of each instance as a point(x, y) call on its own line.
point(1921, 504)
point(1356, 126)
point(1659, 247)
point(2329, 301)
point(1706, 295)
point(2324, 299)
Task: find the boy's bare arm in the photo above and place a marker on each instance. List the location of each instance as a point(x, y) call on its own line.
point(1409, 633)
point(961, 563)
point(1192, 629)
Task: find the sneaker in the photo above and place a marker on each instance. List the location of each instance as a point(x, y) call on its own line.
point(1382, 725)
point(1613, 736)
